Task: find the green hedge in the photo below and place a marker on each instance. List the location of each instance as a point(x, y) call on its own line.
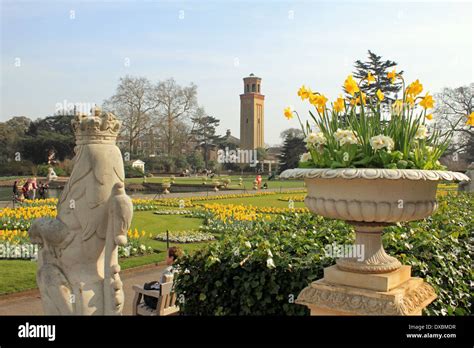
point(235, 276)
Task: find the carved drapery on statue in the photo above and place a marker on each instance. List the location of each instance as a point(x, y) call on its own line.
point(78, 270)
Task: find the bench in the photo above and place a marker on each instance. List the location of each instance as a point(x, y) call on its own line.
point(166, 304)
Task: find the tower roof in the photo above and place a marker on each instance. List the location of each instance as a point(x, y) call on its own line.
point(252, 76)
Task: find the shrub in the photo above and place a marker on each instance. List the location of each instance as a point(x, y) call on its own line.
point(16, 168)
point(259, 270)
point(42, 170)
point(132, 172)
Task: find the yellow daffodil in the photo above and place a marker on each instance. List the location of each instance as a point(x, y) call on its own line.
point(356, 101)
point(380, 95)
point(410, 100)
point(415, 88)
point(319, 101)
point(397, 106)
point(304, 93)
point(392, 75)
point(429, 117)
point(427, 102)
point(351, 85)
point(339, 104)
point(470, 119)
point(370, 78)
point(288, 112)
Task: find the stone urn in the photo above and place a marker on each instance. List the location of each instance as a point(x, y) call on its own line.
point(226, 182)
point(370, 200)
point(166, 186)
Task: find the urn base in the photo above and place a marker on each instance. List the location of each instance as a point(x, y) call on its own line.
point(408, 298)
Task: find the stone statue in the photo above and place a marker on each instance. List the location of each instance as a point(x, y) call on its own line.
point(78, 270)
point(51, 175)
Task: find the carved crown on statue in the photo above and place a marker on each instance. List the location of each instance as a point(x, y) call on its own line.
point(100, 128)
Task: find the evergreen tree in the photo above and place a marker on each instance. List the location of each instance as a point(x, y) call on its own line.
point(293, 148)
point(204, 132)
point(379, 69)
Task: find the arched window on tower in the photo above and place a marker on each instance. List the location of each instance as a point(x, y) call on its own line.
point(248, 88)
point(258, 88)
point(253, 87)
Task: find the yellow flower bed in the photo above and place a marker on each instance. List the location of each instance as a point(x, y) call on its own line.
point(40, 202)
point(13, 236)
point(28, 213)
point(296, 198)
point(238, 212)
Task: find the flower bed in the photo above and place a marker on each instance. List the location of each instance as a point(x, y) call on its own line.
point(134, 246)
point(186, 237)
point(20, 218)
point(173, 212)
point(299, 198)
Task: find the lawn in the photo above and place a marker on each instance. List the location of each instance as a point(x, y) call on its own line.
point(247, 181)
point(262, 201)
point(19, 275)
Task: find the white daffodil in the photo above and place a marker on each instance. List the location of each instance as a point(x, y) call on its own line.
point(421, 132)
point(316, 139)
point(382, 141)
point(248, 244)
point(344, 136)
point(305, 157)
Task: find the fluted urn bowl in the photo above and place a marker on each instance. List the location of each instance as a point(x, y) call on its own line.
point(371, 199)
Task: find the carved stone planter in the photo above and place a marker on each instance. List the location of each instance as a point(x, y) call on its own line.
point(370, 200)
point(165, 186)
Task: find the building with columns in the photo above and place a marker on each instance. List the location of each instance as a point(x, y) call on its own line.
point(251, 114)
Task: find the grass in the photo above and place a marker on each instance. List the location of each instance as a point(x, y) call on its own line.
point(262, 201)
point(20, 275)
point(247, 181)
point(17, 275)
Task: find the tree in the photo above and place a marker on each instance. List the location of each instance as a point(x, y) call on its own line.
point(292, 132)
point(196, 161)
point(53, 133)
point(175, 102)
point(293, 148)
point(204, 132)
point(11, 132)
point(135, 102)
point(452, 107)
point(379, 69)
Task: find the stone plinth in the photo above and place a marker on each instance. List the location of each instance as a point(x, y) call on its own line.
point(408, 298)
point(377, 281)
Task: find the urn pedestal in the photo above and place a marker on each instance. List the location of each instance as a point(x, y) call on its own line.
point(373, 283)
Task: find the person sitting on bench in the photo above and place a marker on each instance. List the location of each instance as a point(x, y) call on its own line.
point(173, 254)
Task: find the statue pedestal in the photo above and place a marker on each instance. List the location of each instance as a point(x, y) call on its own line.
point(348, 293)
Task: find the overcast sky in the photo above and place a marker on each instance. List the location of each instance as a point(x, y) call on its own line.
point(52, 51)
